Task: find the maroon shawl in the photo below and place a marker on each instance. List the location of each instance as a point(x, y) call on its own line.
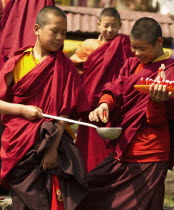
point(17, 25)
point(54, 86)
point(102, 66)
point(1, 9)
point(131, 104)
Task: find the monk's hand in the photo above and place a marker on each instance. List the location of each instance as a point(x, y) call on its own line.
point(100, 113)
point(158, 92)
point(31, 112)
point(49, 160)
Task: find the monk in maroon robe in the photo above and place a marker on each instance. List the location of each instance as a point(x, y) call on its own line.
point(47, 89)
point(54, 86)
point(17, 19)
point(102, 66)
point(16, 25)
point(133, 176)
point(102, 59)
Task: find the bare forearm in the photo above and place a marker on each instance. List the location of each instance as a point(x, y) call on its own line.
point(9, 108)
point(28, 111)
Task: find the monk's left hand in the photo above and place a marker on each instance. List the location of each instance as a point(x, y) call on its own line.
point(49, 160)
point(158, 92)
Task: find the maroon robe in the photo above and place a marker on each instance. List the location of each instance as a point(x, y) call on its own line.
point(1, 10)
point(17, 24)
point(102, 66)
point(116, 184)
point(54, 86)
point(131, 104)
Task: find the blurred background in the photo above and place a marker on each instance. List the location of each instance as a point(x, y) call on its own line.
point(83, 14)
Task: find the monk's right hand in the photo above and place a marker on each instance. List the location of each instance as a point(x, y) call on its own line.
point(31, 112)
point(100, 113)
point(49, 160)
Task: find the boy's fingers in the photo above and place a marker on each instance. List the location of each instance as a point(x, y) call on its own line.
point(170, 94)
point(101, 114)
point(158, 91)
point(93, 115)
point(89, 116)
point(44, 167)
point(151, 89)
point(156, 87)
point(96, 115)
point(104, 116)
point(164, 94)
point(40, 115)
point(39, 112)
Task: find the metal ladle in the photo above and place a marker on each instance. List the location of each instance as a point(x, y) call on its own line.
point(110, 133)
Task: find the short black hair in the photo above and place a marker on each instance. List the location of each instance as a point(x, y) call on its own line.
point(111, 12)
point(42, 17)
point(147, 29)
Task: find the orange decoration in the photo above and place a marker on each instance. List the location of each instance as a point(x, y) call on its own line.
point(145, 89)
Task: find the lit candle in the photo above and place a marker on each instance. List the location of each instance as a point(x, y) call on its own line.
point(147, 81)
point(150, 81)
point(142, 80)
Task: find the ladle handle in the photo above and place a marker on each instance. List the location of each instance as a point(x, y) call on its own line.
point(69, 120)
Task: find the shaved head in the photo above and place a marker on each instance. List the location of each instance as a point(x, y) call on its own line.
point(110, 12)
point(146, 29)
point(43, 16)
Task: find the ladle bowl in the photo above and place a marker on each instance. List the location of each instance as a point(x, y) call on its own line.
point(109, 133)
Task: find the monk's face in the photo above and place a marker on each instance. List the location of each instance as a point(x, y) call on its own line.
point(146, 52)
point(109, 27)
point(51, 36)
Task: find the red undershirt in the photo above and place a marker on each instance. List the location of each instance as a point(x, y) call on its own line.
point(152, 141)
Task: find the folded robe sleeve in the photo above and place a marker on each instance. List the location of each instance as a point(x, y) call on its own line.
point(107, 98)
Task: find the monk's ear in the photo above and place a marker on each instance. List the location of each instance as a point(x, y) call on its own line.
point(159, 41)
point(98, 23)
point(36, 29)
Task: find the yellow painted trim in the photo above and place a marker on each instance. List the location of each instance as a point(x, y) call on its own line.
point(71, 45)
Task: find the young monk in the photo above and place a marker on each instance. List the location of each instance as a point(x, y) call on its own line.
point(102, 66)
point(40, 163)
point(17, 13)
point(109, 24)
point(133, 177)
